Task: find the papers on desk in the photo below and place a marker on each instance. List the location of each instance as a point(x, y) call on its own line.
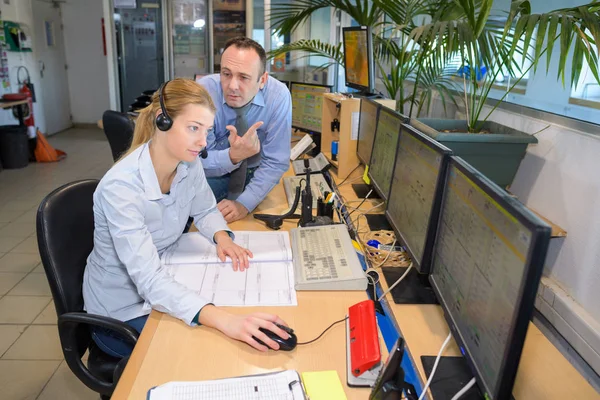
point(271, 386)
point(193, 262)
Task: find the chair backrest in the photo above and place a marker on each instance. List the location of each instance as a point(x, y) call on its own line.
point(65, 234)
point(119, 132)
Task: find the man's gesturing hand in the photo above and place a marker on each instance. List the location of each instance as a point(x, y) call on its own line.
point(243, 147)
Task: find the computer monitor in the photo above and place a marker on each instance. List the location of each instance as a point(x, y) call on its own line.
point(358, 58)
point(488, 260)
point(307, 106)
point(416, 194)
point(369, 110)
point(383, 155)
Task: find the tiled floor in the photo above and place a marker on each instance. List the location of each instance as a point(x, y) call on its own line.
point(31, 361)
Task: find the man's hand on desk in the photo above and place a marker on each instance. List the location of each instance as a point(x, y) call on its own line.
point(232, 210)
point(227, 248)
point(243, 327)
point(243, 147)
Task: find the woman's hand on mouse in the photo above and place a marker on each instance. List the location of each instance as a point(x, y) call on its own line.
point(243, 327)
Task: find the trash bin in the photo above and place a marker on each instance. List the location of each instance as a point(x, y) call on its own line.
point(14, 146)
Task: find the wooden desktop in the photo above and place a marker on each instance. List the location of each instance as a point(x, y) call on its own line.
point(170, 350)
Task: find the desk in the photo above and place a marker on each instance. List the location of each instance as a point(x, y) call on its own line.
point(543, 373)
point(10, 104)
point(170, 350)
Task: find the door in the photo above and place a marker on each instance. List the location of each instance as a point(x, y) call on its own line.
point(50, 52)
point(190, 38)
point(138, 28)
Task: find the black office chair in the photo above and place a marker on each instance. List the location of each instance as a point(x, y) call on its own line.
point(119, 132)
point(65, 231)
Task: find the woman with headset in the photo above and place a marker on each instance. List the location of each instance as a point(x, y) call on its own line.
point(141, 207)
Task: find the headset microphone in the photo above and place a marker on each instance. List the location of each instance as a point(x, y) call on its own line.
point(204, 153)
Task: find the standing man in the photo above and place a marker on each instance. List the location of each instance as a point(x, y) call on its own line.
point(249, 148)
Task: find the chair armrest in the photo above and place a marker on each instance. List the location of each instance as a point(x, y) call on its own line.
point(128, 332)
point(73, 344)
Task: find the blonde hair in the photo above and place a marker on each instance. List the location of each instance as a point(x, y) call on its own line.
point(176, 95)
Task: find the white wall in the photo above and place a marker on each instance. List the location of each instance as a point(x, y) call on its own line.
point(20, 11)
point(557, 176)
point(88, 68)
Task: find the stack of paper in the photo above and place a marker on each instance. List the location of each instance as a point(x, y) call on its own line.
point(269, 281)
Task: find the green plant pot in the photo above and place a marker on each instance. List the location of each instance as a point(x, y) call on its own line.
point(497, 155)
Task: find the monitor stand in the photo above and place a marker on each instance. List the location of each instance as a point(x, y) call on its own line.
point(378, 222)
point(414, 288)
point(362, 189)
point(451, 375)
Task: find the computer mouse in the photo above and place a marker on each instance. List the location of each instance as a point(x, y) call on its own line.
point(284, 344)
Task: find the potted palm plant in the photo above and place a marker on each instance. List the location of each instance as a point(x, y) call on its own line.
point(393, 47)
point(484, 45)
point(421, 57)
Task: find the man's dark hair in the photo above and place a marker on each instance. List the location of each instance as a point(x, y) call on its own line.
point(242, 42)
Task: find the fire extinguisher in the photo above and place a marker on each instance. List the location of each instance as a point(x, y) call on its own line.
point(26, 88)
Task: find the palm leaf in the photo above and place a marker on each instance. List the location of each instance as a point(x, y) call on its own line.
point(579, 30)
point(285, 17)
point(312, 48)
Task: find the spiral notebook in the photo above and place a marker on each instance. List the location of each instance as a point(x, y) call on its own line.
point(282, 385)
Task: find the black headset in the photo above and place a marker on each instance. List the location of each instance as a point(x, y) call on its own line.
point(163, 121)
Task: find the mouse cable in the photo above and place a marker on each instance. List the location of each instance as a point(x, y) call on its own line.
point(328, 328)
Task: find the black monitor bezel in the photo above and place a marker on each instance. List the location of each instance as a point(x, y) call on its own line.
point(286, 83)
point(423, 266)
point(292, 83)
point(381, 193)
point(371, 64)
point(378, 106)
point(527, 292)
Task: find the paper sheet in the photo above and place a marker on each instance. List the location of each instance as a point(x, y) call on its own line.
point(193, 262)
point(193, 248)
point(323, 385)
point(282, 385)
point(263, 284)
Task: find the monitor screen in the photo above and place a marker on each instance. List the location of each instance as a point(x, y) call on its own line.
point(366, 129)
point(307, 106)
point(488, 259)
point(416, 193)
point(384, 150)
point(358, 58)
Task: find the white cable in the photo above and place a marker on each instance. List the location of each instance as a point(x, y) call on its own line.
point(351, 180)
point(437, 360)
point(363, 213)
point(367, 211)
point(397, 282)
point(388, 256)
point(464, 390)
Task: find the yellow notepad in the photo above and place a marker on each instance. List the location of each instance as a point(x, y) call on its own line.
point(323, 385)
